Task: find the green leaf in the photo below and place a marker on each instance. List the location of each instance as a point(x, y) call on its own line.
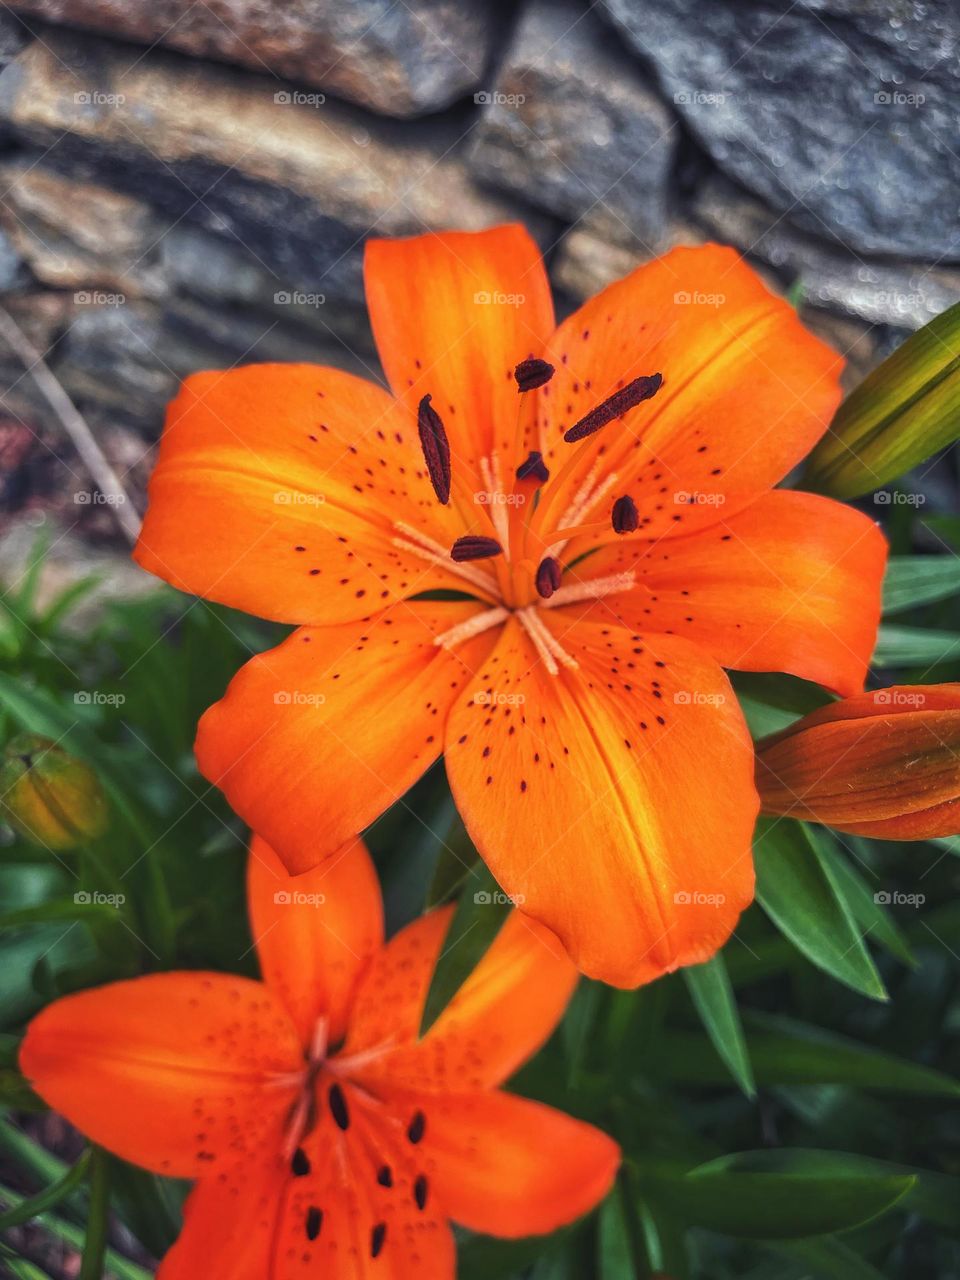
point(916, 580)
point(711, 992)
point(906, 646)
point(95, 1240)
point(860, 899)
point(933, 1195)
point(904, 411)
point(784, 1052)
point(481, 913)
point(48, 1197)
point(830, 1258)
point(614, 1251)
point(797, 888)
point(781, 1205)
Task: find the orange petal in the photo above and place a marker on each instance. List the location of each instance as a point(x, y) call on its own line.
point(885, 763)
point(229, 1225)
point(314, 739)
point(614, 800)
point(258, 1220)
point(390, 998)
point(276, 490)
point(453, 315)
point(316, 933)
point(179, 1072)
point(500, 1017)
point(510, 1167)
point(792, 583)
point(746, 392)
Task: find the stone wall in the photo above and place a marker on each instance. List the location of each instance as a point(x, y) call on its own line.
point(189, 186)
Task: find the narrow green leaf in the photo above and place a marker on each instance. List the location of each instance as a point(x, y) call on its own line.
point(481, 913)
point(95, 1240)
point(861, 900)
point(829, 1258)
point(917, 580)
point(614, 1251)
point(904, 411)
point(905, 646)
point(775, 1206)
point(797, 890)
point(711, 992)
point(785, 1052)
point(48, 1197)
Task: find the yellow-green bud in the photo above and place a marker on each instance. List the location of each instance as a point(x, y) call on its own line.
point(48, 795)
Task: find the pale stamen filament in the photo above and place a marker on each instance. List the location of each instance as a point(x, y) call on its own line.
point(573, 592)
point(435, 553)
point(545, 642)
point(497, 509)
point(586, 499)
point(474, 626)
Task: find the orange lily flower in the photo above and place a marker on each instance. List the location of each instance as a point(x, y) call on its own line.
point(883, 764)
point(325, 1137)
point(593, 743)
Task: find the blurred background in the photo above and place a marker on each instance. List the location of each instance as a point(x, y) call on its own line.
point(187, 184)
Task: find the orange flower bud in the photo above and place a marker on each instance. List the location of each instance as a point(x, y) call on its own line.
point(48, 795)
point(884, 764)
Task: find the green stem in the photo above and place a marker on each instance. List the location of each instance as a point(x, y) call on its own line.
point(95, 1244)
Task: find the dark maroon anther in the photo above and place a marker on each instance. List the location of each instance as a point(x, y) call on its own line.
point(531, 374)
point(474, 547)
point(436, 448)
point(548, 577)
point(416, 1128)
point(533, 467)
point(338, 1106)
point(377, 1237)
point(626, 517)
point(614, 406)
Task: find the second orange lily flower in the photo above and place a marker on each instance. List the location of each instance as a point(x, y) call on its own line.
point(325, 1137)
point(600, 497)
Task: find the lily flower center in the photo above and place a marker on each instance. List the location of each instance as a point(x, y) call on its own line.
point(340, 1117)
point(515, 564)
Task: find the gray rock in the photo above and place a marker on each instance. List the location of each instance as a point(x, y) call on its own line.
point(11, 264)
point(76, 235)
point(572, 124)
point(297, 186)
point(905, 295)
point(842, 114)
point(588, 259)
point(398, 59)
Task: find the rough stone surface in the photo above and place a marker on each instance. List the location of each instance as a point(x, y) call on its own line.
point(843, 114)
point(902, 294)
point(572, 124)
point(587, 259)
point(398, 59)
point(77, 235)
point(299, 187)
